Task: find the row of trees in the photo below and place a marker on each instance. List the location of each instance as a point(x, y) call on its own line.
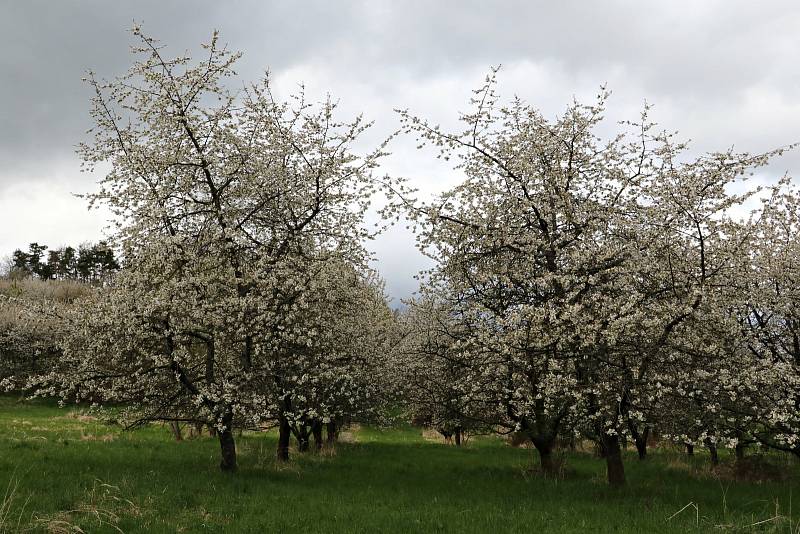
point(93, 263)
point(580, 287)
point(605, 288)
point(31, 329)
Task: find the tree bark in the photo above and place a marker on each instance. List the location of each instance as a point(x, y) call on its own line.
point(615, 469)
point(284, 434)
point(712, 450)
point(640, 440)
point(176, 430)
point(332, 433)
point(458, 436)
point(316, 430)
point(689, 449)
point(227, 445)
point(544, 446)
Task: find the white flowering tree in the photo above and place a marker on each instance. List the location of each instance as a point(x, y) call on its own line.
point(772, 318)
point(224, 198)
point(340, 377)
point(436, 370)
point(573, 261)
point(32, 325)
point(755, 390)
point(525, 242)
point(680, 280)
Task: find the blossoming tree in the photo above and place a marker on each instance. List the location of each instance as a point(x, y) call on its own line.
point(226, 203)
point(573, 261)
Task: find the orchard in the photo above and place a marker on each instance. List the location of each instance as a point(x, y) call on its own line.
point(585, 288)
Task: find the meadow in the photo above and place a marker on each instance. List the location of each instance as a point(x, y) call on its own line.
point(64, 471)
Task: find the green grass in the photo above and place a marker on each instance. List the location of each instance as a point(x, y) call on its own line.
point(67, 472)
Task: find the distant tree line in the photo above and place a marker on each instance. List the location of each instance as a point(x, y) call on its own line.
point(91, 263)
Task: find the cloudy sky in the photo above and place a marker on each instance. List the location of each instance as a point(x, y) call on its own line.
point(722, 72)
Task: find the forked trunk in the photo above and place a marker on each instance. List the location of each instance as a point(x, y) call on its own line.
point(175, 427)
point(615, 469)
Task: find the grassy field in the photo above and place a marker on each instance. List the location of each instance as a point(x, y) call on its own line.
point(64, 472)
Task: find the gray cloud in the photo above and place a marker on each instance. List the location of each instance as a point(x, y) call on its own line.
point(722, 72)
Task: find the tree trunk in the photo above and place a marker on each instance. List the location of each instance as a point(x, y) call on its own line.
point(284, 434)
point(332, 433)
point(176, 430)
point(689, 449)
point(227, 445)
point(458, 436)
point(712, 450)
point(544, 446)
point(316, 429)
point(641, 448)
point(615, 469)
point(641, 442)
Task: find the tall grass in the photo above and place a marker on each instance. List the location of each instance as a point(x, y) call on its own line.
point(12, 507)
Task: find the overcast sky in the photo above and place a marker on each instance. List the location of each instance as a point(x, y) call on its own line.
point(722, 72)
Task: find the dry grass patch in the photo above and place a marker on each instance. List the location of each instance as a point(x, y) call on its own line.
point(754, 469)
point(518, 440)
point(349, 435)
point(12, 507)
point(102, 507)
point(80, 416)
point(21, 422)
point(105, 438)
point(429, 434)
